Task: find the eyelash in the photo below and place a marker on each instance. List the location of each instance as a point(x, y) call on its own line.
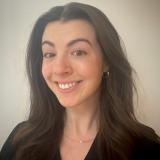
point(48, 55)
point(80, 52)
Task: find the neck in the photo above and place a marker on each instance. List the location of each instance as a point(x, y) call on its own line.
point(81, 122)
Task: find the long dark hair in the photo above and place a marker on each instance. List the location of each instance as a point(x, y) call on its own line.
point(40, 136)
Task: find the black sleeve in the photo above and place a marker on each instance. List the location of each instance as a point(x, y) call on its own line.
point(6, 152)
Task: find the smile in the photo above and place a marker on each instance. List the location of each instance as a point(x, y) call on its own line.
point(68, 87)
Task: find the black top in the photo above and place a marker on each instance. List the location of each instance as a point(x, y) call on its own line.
point(144, 150)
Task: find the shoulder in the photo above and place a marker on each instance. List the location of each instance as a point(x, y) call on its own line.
point(7, 149)
point(146, 149)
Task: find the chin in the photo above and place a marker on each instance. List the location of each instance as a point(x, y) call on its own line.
point(67, 103)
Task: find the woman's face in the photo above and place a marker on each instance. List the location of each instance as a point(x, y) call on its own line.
point(72, 62)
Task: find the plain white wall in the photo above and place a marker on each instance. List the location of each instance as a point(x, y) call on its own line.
point(138, 23)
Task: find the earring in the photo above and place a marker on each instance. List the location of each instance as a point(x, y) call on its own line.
point(106, 74)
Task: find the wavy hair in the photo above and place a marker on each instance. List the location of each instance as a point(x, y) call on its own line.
point(40, 136)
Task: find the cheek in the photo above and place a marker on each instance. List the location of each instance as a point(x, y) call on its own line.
point(91, 69)
point(46, 71)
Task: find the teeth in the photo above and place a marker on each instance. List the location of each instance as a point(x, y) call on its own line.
point(66, 85)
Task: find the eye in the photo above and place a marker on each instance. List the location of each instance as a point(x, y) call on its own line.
point(48, 55)
point(79, 52)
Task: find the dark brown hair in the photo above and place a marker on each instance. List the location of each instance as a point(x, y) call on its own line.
point(40, 136)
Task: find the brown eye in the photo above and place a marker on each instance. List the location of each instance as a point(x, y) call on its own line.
point(78, 52)
point(48, 55)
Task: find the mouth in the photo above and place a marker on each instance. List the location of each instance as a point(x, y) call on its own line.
point(66, 87)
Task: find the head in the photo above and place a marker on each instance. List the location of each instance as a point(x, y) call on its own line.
point(106, 39)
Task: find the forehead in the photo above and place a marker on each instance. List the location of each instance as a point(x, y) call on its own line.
point(60, 30)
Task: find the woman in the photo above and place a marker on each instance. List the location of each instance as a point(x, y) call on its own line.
point(81, 93)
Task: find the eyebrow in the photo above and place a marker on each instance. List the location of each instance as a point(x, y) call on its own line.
point(72, 42)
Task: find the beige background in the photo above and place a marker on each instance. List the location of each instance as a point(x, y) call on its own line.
point(138, 23)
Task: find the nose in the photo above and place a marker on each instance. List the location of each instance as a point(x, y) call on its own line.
point(62, 66)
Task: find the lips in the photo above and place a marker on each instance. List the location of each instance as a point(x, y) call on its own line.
point(66, 87)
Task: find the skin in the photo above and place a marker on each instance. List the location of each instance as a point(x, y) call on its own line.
point(72, 53)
